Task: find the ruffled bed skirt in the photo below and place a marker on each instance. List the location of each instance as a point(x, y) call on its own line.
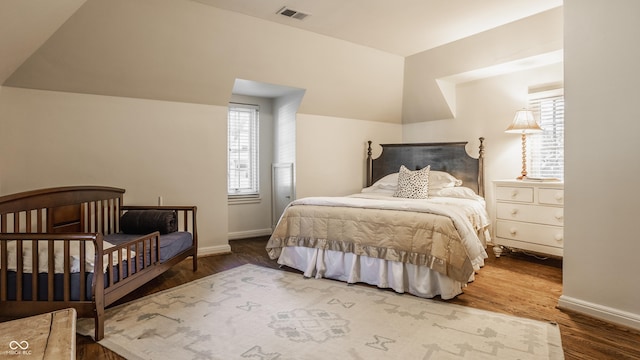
point(348, 267)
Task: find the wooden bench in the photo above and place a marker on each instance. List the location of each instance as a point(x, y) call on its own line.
point(46, 336)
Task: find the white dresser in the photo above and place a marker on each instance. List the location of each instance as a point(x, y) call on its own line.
point(529, 215)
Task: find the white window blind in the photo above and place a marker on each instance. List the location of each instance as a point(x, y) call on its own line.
point(243, 179)
point(547, 148)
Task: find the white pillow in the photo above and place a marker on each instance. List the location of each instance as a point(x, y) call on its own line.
point(379, 190)
point(457, 192)
point(413, 184)
point(388, 182)
point(437, 180)
point(441, 179)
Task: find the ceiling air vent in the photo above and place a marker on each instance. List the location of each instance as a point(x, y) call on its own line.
point(292, 13)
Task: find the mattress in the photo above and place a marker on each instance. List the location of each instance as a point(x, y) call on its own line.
point(170, 245)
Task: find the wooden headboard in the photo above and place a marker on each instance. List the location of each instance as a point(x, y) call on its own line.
point(451, 157)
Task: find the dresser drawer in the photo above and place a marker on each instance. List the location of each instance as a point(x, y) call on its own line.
point(530, 213)
point(531, 233)
point(512, 193)
point(551, 196)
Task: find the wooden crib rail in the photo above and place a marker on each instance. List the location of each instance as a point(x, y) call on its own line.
point(187, 221)
point(130, 260)
point(49, 241)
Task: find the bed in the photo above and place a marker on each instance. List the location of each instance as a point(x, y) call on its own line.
point(420, 225)
point(54, 241)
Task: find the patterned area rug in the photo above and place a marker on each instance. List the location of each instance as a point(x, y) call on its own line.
point(252, 312)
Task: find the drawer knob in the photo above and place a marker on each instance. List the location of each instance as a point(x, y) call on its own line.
point(559, 217)
point(559, 197)
point(558, 237)
point(514, 193)
point(514, 211)
point(513, 231)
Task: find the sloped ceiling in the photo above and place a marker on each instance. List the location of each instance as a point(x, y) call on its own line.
point(25, 25)
point(401, 27)
point(184, 50)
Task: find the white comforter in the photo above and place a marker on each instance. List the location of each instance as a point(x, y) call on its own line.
point(467, 213)
point(456, 254)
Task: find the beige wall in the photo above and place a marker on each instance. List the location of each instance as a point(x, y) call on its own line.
point(150, 148)
point(472, 88)
point(331, 153)
point(485, 108)
point(159, 148)
point(526, 40)
point(602, 243)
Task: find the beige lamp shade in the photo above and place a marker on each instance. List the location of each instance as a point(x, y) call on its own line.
point(523, 123)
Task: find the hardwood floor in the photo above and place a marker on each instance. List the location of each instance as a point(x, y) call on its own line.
point(514, 284)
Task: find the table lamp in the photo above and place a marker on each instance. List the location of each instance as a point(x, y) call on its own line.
point(523, 123)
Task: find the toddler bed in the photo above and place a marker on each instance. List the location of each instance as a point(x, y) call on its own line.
point(420, 225)
point(53, 241)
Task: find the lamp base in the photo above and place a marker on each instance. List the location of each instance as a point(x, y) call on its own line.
point(523, 173)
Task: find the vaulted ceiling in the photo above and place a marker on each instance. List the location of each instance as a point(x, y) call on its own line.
point(25, 25)
point(401, 27)
point(193, 50)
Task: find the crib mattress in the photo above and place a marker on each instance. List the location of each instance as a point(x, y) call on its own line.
point(170, 245)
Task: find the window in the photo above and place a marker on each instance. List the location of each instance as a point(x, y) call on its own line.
point(547, 148)
point(243, 179)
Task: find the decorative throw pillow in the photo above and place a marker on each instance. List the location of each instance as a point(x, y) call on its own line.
point(413, 184)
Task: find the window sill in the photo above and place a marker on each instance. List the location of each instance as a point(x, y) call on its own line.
point(248, 199)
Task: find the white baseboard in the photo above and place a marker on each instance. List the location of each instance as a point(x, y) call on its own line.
point(249, 234)
point(225, 249)
point(214, 250)
point(606, 313)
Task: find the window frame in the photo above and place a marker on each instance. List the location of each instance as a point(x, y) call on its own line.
point(548, 109)
point(250, 192)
